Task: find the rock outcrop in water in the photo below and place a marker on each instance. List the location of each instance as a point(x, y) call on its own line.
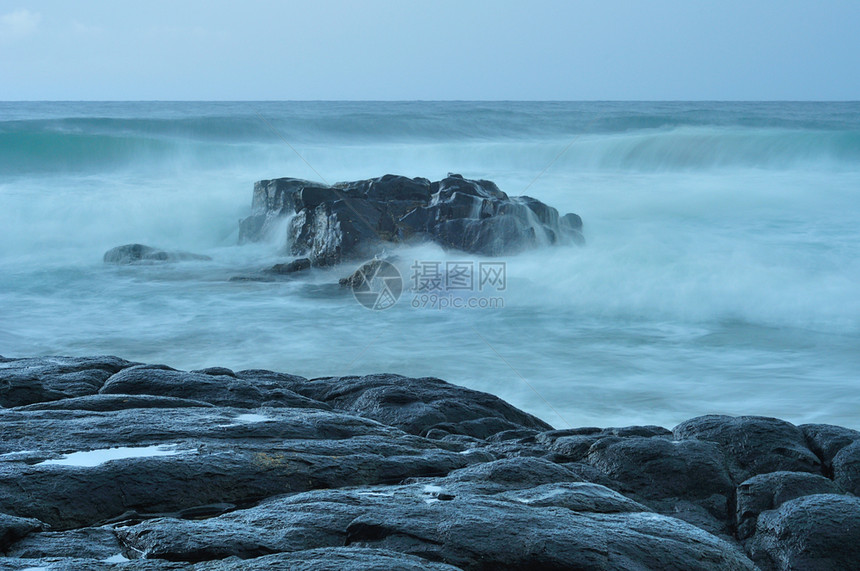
point(216, 469)
point(137, 253)
point(356, 219)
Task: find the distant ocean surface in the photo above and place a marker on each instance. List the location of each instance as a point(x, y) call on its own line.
point(721, 272)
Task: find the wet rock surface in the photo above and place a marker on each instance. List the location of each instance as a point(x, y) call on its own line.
point(328, 224)
point(813, 532)
point(110, 464)
point(769, 491)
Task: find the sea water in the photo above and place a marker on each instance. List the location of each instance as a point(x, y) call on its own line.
point(721, 272)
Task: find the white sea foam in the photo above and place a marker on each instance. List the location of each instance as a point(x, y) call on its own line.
point(720, 272)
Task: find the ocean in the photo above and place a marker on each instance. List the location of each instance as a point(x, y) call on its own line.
point(720, 274)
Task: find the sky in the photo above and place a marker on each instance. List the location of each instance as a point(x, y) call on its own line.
point(439, 50)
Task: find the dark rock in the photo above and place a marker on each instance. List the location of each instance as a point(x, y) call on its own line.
point(656, 468)
point(329, 559)
point(521, 435)
point(572, 444)
point(217, 371)
point(687, 479)
point(299, 522)
point(399, 189)
point(309, 197)
point(419, 405)
point(476, 533)
point(13, 528)
point(846, 468)
point(86, 543)
point(508, 474)
point(548, 437)
point(826, 440)
point(359, 277)
point(114, 402)
point(353, 219)
point(754, 444)
point(545, 214)
point(256, 469)
point(336, 230)
point(133, 253)
point(769, 491)
point(279, 195)
point(572, 220)
point(588, 473)
point(571, 224)
point(57, 432)
point(28, 381)
point(455, 183)
point(273, 201)
point(236, 463)
point(812, 532)
point(510, 449)
point(470, 532)
point(576, 496)
point(297, 265)
point(644, 431)
point(504, 234)
point(256, 227)
point(79, 564)
point(222, 390)
point(700, 513)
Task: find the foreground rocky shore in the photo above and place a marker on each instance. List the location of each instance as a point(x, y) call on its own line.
point(108, 464)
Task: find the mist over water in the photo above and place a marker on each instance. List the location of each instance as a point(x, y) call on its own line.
point(720, 274)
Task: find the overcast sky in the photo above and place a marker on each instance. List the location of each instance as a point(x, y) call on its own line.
point(375, 49)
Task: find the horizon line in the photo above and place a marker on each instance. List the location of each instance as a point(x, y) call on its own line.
point(430, 101)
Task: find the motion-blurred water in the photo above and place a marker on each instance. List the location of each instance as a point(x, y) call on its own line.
point(720, 275)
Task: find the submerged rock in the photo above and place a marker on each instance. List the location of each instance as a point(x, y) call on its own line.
point(297, 265)
point(328, 224)
point(359, 278)
point(134, 253)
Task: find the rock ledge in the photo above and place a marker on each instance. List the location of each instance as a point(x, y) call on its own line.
point(110, 464)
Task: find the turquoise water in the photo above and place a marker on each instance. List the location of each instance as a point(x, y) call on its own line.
point(720, 274)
